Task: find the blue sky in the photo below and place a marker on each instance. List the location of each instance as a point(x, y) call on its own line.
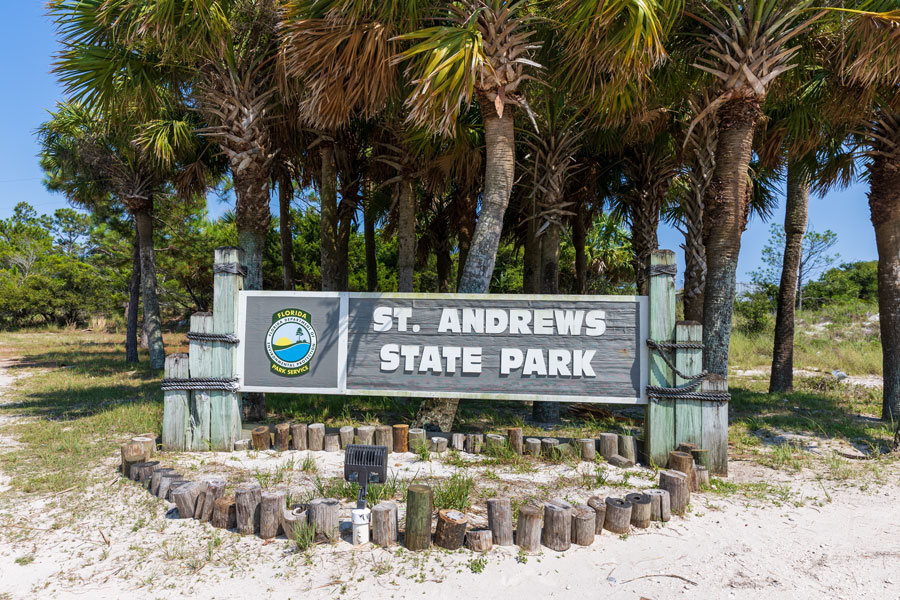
point(27, 43)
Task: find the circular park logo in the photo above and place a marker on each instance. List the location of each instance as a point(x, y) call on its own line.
point(291, 342)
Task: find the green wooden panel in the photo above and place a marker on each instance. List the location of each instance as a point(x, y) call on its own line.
point(176, 414)
point(659, 437)
point(225, 411)
point(201, 366)
point(688, 413)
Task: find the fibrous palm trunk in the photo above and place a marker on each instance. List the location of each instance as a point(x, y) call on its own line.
point(499, 174)
point(369, 238)
point(884, 204)
point(285, 195)
point(144, 221)
point(531, 261)
point(465, 230)
point(328, 247)
point(727, 209)
point(548, 412)
point(134, 299)
point(781, 379)
point(644, 240)
point(579, 240)
point(406, 235)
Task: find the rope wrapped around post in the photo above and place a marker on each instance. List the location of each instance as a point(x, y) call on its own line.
point(688, 391)
point(670, 270)
point(226, 338)
point(201, 383)
point(231, 268)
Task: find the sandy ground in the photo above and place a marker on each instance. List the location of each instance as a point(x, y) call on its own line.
point(809, 538)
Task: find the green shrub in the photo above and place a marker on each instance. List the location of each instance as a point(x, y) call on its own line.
point(754, 313)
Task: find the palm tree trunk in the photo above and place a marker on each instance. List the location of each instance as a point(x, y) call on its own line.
point(369, 238)
point(499, 174)
point(531, 261)
point(134, 299)
point(579, 241)
point(644, 240)
point(724, 221)
point(328, 247)
point(694, 259)
point(548, 412)
point(884, 204)
point(406, 235)
point(442, 254)
point(466, 228)
point(285, 195)
point(795, 219)
point(152, 324)
point(252, 217)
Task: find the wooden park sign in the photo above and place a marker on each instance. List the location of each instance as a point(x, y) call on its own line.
point(582, 348)
point(611, 349)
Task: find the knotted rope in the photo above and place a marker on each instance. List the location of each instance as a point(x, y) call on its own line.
point(201, 383)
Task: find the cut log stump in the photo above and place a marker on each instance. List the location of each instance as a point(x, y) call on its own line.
point(549, 448)
point(528, 529)
point(416, 438)
point(557, 532)
point(332, 443)
point(628, 448)
point(479, 540)
point(283, 437)
point(262, 438)
point(533, 446)
point(599, 506)
point(640, 510)
point(681, 461)
point(291, 521)
point(224, 515)
point(401, 437)
point(215, 489)
point(132, 452)
point(346, 434)
point(588, 449)
point(438, 444)
point(185, 498)
point(584, 525)
point(419, 502)
point(450, 532)
point(618, 515)
point(660, 509)
point(609, 445)
point(156, 478)
point(384, 437)
point(365, 434)
point(458, 441)
point(499, 512)
point(617, 460)
point(676, 483)
point(514, 435)
point(246, 501)
point(385, 524)
point(271, 512)
point(474, 443)
point(298, 436)
point(315, 434)
point(323, 515)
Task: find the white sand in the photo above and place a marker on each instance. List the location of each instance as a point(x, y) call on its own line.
point(820, 540)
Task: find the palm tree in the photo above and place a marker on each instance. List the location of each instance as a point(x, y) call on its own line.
point(746, 46)
point(218, 52)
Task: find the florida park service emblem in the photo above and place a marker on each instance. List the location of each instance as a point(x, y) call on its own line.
point(291, 342)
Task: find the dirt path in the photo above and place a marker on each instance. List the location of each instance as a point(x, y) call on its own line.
point(811, 539)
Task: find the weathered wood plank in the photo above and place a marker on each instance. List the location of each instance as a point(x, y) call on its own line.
point(715, 427)
point(688, 423)
point(225, 407)
point(660, 420)
point(200, 366)
point(176, 415)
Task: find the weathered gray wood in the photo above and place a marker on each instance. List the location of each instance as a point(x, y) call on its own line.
point(152, 448)
point(162, 491)
point(618, 515)
point(385, 524)
point(147, 443)
point(282, 436)
point(316, 436)
point(401, 437)
point(224, 514)
point(346, 435)
point(494, 443)
point(474, 443)
point(146, 472)
point(701, 457)
point(479, 540)
point(291, 520)
point(584, 524)
point(272, 505)
point(702, 474)
point(681, 461)
point(174, 485)
point(715, 426)
point(262, 438)
point(588, 449)
point(550, 447)
point(419, 502)
point(514, 434)
point(185, 498)
point(660, 507)
point(323, 515)
point(332, 443)
point(640, 510)
point(215, 489)
point(599, 506)
point(458, 441)
point(365, 434)
point(132, 453)
point(557, 532)
point(609, 445)
point(628, 448)
point(247, 497)
point(438, 444)
point(621, 462)
point(298, 436)
point(676, 483)
point(499, 512)
point(450, 531)
point(659, 436)
point(416, 438)
point(528, 529)
point(201, 365)
point(687, 447)
point(241, 445)
point(688, 413)
point(225, 407)
point(156, 477)
point(384, 437)
point(533, 446)
point(176, 413)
